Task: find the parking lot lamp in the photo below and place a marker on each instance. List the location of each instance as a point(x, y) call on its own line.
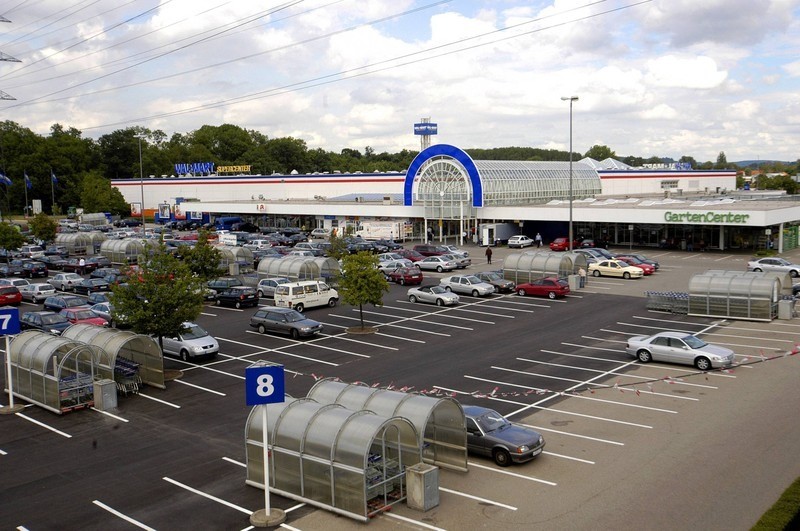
point(570, 99)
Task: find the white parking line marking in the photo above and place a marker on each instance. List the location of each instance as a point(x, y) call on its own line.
point(109, 414)
point(512, 474)
point(381, 334)
point(715, 334)
point(43, 425)
point(159, 400)
point(441, 313)
point(578, 459)
point(122, 516)
point(412, 521)
point(277, 351)
point(3, 453)
point(567, 434)
point(476, 498)
point(180, 381)
point(239, 463)
point(208, 496)
point(310, 342)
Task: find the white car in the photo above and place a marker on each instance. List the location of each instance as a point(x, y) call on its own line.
point(461, 261)
point(14, 281)
point(65, 281)
point(191, 341)
point(388, 267)
point(388, 257)
point(436, 263)
point(520, 241)
point(432, 294)
point(266, 286)
point(452, 249)
point(36, 293)
point(320, 233)
point(679, 347)
point(774, 264)
point(615, 268)
point(467, 284)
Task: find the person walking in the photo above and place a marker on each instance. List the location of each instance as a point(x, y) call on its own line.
point(538, 240)
point(488, 255)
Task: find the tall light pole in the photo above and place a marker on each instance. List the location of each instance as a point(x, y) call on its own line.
point(141, 180)
point(570, 99)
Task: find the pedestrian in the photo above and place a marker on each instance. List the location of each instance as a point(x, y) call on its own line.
point(581, 277)
point(488, 255)
point(82, 265)
point(538, 240)
point(430, 235)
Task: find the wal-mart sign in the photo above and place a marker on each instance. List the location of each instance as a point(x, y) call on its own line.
point(426, 128)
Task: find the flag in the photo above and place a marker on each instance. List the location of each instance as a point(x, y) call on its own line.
point(28, 183)
point(4, 179)
point(53, 177)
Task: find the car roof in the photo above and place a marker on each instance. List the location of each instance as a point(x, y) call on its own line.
point(671, 333)
point(474, 411)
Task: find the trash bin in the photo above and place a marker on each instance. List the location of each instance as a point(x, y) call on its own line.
point(105, 394)
point(785, 309)
point(422, 486)
point(574, 282)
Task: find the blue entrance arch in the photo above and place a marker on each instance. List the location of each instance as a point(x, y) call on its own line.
point(448, 151)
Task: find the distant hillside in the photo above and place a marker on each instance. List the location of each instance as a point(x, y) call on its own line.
point(757, 163)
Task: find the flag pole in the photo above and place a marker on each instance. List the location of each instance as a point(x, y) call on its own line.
point(52, 192)
point(25, 173)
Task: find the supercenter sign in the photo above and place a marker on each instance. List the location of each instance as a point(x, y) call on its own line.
point(705, 217)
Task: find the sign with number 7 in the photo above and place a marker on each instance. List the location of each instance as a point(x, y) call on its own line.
point(9, 321)
point(264, 384)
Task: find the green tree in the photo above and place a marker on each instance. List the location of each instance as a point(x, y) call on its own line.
point(97, 195)
point(43, 227)
point(362, 282)
point(159, 297)
point(203, 260)
point(598, 152)
point(10, 236)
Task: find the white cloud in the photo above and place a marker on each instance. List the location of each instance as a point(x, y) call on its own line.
point(684, 72)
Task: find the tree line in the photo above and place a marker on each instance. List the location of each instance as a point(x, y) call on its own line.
point(65, 169)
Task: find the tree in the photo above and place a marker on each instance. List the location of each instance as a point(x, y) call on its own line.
point(159, 297)
point(203, 260)
point(97, 195)
point(10, 236)
point(43, 227)
point(598, 152)
point(338, 249)
point(362, 282)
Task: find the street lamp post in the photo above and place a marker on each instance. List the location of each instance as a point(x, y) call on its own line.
point(141, 180)
point(570, 99)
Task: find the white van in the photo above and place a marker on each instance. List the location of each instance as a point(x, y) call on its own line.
point(305, 294)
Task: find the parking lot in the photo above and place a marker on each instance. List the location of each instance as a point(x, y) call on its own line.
point(629, 446)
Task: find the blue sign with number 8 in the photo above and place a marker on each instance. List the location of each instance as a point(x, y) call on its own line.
point(264, 384)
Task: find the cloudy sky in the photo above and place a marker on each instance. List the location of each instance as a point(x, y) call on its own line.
point(653, 77)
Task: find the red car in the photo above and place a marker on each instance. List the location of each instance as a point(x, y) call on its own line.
point(406, 275)
point(647, 269)
point(10, 295)
point(550, 287)
point(83, 316)
point(411, 254)
point(562, 244)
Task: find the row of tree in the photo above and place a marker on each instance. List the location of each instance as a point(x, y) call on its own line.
point(83, 167)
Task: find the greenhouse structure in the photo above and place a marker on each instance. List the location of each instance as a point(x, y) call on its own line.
point(299, 268)
point(76, 242)
point(349, 462)
point(239, 257)
point(125, 251)
point(54, 372)
point(738, 296)
point(135, 358)
point(531, 265)
point(439, 422)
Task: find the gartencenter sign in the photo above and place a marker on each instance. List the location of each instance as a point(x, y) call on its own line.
point(705, 217)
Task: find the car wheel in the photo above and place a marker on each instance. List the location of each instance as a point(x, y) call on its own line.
point(596, 272)
point(439, 269)
point(262, 329)
point(447, 288)
point(793, 273)
point(260, 294)
point(402, 282)
point(521, 292)
point(702, 364)
point(332, 303)
point(757, 270)
point(552, 295)
point(644, 356)
point(412, 298)
point(299, 307)
point(626, 275)
point(475, 293)
point(238, 305)
point(439, 302)
point(184, 354)
point(217, 302)
point(501, 457)
point(294, 333)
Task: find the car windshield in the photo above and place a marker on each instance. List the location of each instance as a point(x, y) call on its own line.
point(472, 279)
point(71, 303)
point(694, 342)
point(73, 276)
point(294, 316)
point(53, 319)
point(85, 314)
point(438, 289)
point(491, 276)
point(491, 421)
point(193, 332)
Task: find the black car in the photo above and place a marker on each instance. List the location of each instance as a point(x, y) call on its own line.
point(98, 261)
point(91, 285)
point(104, 271)
point(244, 226)
point(391, 245)
point(129, 222)
point(237, 296)
point(78, 265)
point(56, 250)
point(223, 283)
point(50, 322)
point(491, 435)
point(11, 270)
point(34, 269)
point(53, 262)
point(56, 303)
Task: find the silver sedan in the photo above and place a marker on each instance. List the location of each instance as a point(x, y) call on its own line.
point(432, 294)
point(774, 264)
point(436, 263)
point(467, 284)
point(679, 347)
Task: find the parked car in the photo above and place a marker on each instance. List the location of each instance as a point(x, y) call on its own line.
point(106, 311)
point(405, 275)
point(12, 269)
point(492, 435)
point(56, 303)
point(97, 262)
point(10, 295)
point(390, 257)
point(90, 285)
point(590, 258)
point(494, 278)
point(550, 287)
point(462, 262)
point(223, 283)
point(284, 321)
point(237, 296)
point(65, 281)
point(391, 245)
point(190, 342)
point(436, 263)
point(79, 265)
point(53, 262)
point(97, 297)
point(467, 284)
point(455, 251)
point(562, 244)
point(598, 253)
point(615, 268)
point(391, 265)
point(305, 294)
point(83, 316)
point(128, 222)
point(774, 264)
point(432, 294)
point(679, 347)
point(321, 233)
point(31, 251)
point(410, 254)
point(34, 269)
point(641, 258)
point(647, 269)
point(104, 271)
point(266, 286)
point(37, 293)
point(426, 249)
point(520, 241)
point(16, 282)
point(56, 250)
point(50, 322)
